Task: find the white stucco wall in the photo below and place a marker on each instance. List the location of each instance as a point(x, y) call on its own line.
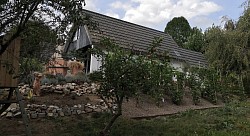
point(94, 64)
point(177, 65)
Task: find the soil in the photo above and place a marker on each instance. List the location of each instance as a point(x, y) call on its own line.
point(131, 108)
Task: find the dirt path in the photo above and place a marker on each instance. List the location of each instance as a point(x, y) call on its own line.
point(147, 106)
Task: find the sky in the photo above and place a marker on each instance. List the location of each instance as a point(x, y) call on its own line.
point(157, 13)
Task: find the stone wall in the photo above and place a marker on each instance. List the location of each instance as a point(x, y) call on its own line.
point(41, 111)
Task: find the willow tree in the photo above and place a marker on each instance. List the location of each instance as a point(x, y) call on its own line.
point(228, 48)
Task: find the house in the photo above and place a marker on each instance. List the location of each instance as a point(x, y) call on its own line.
point(127, 34)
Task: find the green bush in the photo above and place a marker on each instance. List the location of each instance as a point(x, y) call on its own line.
point(177, 89)
point(26, 69)
point(49, 81)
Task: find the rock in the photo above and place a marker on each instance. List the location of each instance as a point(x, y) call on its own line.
point(75, 107)
point(55, 115)
point(98, 110)
point(92, 107)
point(18, 115)
point(57, 91)
point(88, 104)
point(73, 112)
point(54, 111)
point(88, 110)
point(3, 114)
point(59, 87)
point(78, 112)
point(66, 91)
point(28, 105)
point(33, 115)
point(50, 114)
point(67, 113)
point(71, 87)
point(38, 110)
point(36, 105)
point(20, 122)
point(61, 114)
point(9, 115)
point(43, 107)
point(41, 115)
point(99, 101)
point(85, 84)
point(79, 106)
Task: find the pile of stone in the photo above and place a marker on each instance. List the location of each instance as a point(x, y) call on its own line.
point(41, 111)
point(63, 89)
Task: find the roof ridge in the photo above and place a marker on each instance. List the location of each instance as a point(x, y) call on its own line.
point(126, 21)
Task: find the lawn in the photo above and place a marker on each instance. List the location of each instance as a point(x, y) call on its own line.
point(231, 120)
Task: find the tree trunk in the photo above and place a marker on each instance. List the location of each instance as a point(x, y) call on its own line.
point(105, 131)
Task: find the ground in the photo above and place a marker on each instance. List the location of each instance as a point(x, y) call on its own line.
point(145, 108)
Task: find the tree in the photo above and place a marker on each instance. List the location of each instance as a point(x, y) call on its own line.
point(179, 29)
point(196, 40)
point(123, 75)
point(228, 49)
point(38, 45)
point(59, 14)
point(38, 41)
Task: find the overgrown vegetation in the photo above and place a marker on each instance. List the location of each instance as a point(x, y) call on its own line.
point(124, 74)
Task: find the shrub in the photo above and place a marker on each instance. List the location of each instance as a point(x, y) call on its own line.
point(60, 78)
point(49, 81)
point(177, 89)
point(194, 83)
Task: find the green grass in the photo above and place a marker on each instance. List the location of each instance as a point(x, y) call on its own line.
point(231, 120)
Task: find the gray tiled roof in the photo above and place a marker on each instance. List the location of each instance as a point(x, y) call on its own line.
point(127, 34)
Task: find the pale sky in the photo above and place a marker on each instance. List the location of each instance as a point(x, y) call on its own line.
point(157, 13)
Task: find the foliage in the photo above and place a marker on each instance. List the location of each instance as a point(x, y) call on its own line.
point(27, 67)
point(196, 40)
point(223, 121)
point(177, 88)
point(211, 85)
point(38, 41)
point(79, 78)
point(123, 74)
point(227, 49)
point(179, 29)
point(59, 14)
point(195, 84)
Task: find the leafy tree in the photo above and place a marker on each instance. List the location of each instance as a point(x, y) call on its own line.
point(27, 67)
point(38, 45)
point(179, 29)
point(124, 75)
point(38, 41)
point(14, 16)
point(196, 40)
point(228, 49)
